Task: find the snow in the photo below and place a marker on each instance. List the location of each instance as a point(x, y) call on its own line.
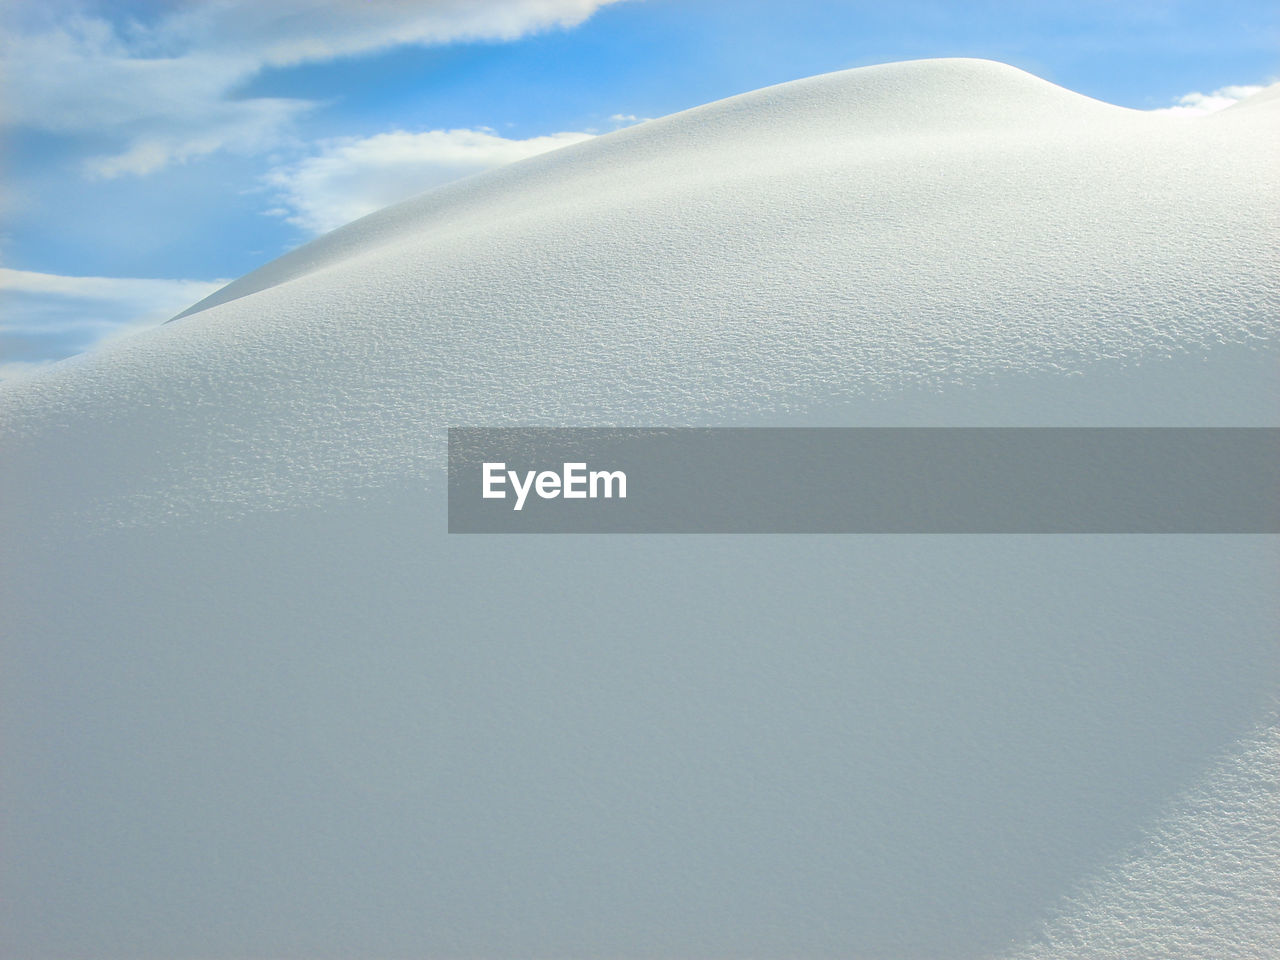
point(257, 702)
point(1150, 905)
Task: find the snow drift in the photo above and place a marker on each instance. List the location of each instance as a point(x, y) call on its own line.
point(257, 702)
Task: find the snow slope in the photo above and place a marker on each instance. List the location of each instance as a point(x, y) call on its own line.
point(257, 702)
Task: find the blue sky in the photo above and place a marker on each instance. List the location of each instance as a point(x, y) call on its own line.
point(154, 148)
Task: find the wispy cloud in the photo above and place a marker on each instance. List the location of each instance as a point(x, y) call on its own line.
point(350, 177)
point(49, 316)
point(1197, 104)
point(16, 369)
point(158, 294)
point(163, 90)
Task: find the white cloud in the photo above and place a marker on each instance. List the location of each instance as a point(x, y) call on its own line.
point(49, 316)
point(163, 91)
point(248, 127)
point(620, 120)
point(145, 293)
point(351, 177)
point(16, 369)
point(1198, 104)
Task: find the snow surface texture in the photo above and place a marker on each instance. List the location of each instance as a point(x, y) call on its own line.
point(257, 702)
point(1226, 827)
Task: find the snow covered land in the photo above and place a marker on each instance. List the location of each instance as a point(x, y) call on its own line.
point(258, 703)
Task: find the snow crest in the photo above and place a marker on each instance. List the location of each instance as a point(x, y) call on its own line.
point(258, 702)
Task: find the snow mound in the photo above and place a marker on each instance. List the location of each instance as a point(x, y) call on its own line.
point(257, 702)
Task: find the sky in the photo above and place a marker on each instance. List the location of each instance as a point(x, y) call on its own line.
point(151, 150)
